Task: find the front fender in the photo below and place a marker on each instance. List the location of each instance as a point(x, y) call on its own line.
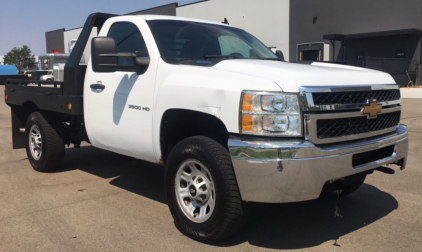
point(202, 89)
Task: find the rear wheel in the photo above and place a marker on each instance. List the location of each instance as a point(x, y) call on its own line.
point(202, 191)
point(44, 142)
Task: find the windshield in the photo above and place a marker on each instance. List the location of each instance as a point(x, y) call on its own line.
point(188, 42)
point(50, 73)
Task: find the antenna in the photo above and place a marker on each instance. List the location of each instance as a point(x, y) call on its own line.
point(225, 21)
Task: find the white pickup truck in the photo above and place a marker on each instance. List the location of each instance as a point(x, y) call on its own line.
point(231, 122)
point(48, 77)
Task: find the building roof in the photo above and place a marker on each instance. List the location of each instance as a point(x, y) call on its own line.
point(62, 29)
point(199, 1)
point(175, 4)
point(412, 31)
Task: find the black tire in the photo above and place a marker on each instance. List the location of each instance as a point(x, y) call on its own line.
point(229, 212)
point(347, 186)
point(52, 147)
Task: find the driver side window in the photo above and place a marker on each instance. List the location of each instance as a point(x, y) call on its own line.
point(128, 39)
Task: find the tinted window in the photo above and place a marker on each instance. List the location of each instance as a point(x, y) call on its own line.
point(128, 39)
point(181, 41)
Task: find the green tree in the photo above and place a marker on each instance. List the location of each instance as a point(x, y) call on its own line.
point(20, 57)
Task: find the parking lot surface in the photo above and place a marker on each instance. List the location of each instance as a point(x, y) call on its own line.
point(97, 202)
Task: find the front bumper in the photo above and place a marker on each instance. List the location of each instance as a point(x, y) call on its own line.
point(296, 170)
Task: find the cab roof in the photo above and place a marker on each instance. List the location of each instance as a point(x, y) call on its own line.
point(164, 17)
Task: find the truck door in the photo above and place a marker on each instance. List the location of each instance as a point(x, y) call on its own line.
point(118, 117)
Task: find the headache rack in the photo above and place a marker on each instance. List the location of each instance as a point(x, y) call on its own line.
point(56, 96)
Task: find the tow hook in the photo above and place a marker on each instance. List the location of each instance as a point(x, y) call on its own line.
point(385, 170)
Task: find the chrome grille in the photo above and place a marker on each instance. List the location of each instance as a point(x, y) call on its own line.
point(335, 114)
point(355, 97)
point(340, 127)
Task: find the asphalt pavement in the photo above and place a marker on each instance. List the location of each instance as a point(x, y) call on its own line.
point(97, 202)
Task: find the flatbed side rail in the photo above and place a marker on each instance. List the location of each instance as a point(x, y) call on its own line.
point(44, 95)
point(55, 84)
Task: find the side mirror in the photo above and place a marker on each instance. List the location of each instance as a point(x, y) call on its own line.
point(279, 54)
point(99, 47)
point(139, 60)
point(105, 57)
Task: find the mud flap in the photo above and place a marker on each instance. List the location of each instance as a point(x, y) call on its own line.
point(19, 117)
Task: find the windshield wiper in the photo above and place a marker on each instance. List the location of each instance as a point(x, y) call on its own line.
point(234, 56)
point(276, 59)
point(213, 57)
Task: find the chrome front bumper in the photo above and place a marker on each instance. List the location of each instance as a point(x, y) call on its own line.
point(296, 170)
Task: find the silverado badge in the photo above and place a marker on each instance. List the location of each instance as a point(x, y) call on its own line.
point(372, 109)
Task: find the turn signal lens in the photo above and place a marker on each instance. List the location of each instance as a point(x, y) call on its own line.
point(69, 106)
point(247, 123)
point(7, 97)
point(247, 102)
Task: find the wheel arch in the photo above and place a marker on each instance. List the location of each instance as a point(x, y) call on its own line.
point(178, 124)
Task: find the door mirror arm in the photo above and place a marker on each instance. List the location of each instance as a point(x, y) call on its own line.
point(138, 60)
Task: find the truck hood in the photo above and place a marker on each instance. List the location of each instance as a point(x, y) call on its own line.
point(291, 76)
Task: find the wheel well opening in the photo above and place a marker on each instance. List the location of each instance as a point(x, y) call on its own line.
point(178, 124)
point(22, 112)
point(29, 107)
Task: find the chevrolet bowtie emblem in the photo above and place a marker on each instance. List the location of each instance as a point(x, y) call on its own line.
point(372, 109)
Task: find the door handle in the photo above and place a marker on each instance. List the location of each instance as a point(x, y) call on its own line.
point(97, 86)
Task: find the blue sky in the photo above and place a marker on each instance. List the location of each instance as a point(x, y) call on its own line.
point(25, 22)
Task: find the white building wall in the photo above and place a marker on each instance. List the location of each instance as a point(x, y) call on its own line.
point(74, 34)
point(267, 20)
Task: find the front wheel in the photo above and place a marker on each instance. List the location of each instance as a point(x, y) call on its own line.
point(44, 142)
point(202, 191)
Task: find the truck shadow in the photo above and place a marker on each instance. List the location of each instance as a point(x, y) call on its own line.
point(311, 223)
point(276, 226)
point(121, 95)
point(136, 176)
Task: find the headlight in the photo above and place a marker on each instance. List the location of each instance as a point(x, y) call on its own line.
point(275, 114)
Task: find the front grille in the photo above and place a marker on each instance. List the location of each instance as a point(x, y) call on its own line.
point(330, 128)
point(330, 98)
